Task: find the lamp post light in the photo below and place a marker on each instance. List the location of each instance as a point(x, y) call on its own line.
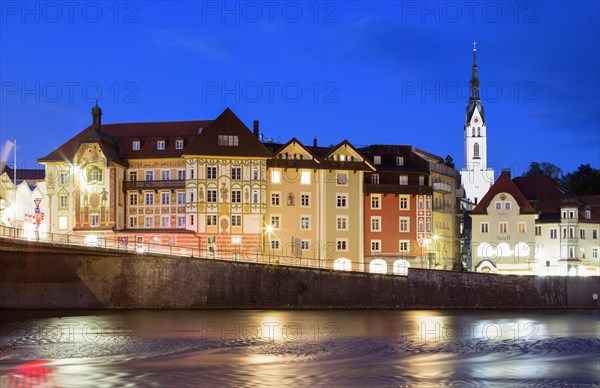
point(424, 246)
point(269, 230)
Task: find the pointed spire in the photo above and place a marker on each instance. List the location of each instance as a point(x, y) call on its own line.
point(474, 95)
point(96, 116)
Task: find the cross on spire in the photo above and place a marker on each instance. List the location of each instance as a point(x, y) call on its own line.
point(474, 46)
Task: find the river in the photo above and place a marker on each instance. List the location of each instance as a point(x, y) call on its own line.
point(257, 348)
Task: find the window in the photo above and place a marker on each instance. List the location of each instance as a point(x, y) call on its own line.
point(375, 201)
point(421, 180)
point(255, 174)
point(191, 196)
point(305, 178)
point(404, 203)
point(149, 175)
point(553, 233)
point(275, 244)
point(305, 245)
point(476, 150)
point(236, 196)
point(181, 175)
point(582, 233)
point(521, 227)
point(211, 196)
point(571, 252)
point(595, 234)
point(228, 140)
point(305, 200)
point(94, 220)
point(133, 199)
point(420, 202)
point(404, 224)
point(135, 145)
point(180, 198)
point(211, 220)
point(341, 244)
point(587, 214)
point(254, 196)
point(191, 219)
point(571, 232)
point(538, 230)
point(503, 227)
point(164, 221)
point(192, 173)
point(211, 172)
point(63, 178)
point(399, 161)
point(179, 144)
point(421, 225)
point(375, 179)
point(375, 245)
point(341, 223)
point(377, 159)
point(275, 222)
point(236, 220)
point(149, 198)
point(404, 246)
point(180, 221)
point(342, 201)
point(166, 175)
point(62, 222)
point(160, 145)
point(275, 176)
point(236, 173)
point(341, 178)
point(375, 224)
point(133, 176)
point(506, 205)
point(594, 253)
point(275, 199)
point(403, 180)
point(165, 198)
point(94, 174)
point(498, 205)
point(63, 201)
point(305, 222)
point(133, 222)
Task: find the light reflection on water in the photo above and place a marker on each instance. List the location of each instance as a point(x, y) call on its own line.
point(300, 348)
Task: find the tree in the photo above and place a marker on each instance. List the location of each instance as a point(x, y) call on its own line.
point(544, 169)
point(583, 181)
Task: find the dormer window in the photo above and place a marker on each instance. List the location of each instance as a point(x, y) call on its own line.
point(377, 160)
point(399, 161)
point(179, 144)
point(135, 145)
point(160, 145)
point(228, 140)
point(587, 214)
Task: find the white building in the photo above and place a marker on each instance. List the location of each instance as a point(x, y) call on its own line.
point(531, 226)
point(476, 177)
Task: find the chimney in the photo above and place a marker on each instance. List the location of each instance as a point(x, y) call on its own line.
point(256, 128)
point(315, 142)
point(506, 171)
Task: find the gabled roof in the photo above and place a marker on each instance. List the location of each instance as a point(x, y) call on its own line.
point(544, 192)
point(206, 143)
point(504, 185)
point(122, 136)
point(278, 161)
point(413, 162)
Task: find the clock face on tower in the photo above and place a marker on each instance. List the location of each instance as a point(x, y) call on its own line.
point(476, 120)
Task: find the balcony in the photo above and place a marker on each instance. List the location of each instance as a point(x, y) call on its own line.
point(396, 189)
point(442, 187)
point(154, 185)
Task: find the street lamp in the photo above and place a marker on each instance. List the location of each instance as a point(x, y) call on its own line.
point(269, 230)
point(424, 245)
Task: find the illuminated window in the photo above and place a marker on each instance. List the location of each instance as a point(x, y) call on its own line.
point(62, 222)
point(228, 140)
point(305, 222)
point(179, 144)
point(503, 227)
point(166, 175)
point(149, 222)
point(275, 176)
point(160, 145)
point(149, 175)
point(399, 161)
point(377, 159)
point(135, 145)
point(522, 227)
point(94, 174)
point(180, 198)
point(375, 179)
point(305, 178)
point(164, 221)
point(403, 180)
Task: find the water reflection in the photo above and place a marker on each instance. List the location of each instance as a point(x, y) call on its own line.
point(322, 348)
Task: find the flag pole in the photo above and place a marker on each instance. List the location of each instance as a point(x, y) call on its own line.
point(15, 184)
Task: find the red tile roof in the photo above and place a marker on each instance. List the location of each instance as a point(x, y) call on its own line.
point(504, 185)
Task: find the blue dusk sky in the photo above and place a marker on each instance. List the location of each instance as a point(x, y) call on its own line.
point(376, 72)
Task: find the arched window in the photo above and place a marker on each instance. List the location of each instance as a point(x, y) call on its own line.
point(478, 131)
point(476, 150)
point(342, 265)
point(401, 266)
point(94, 174)
point(378, 266)
point(473, 134)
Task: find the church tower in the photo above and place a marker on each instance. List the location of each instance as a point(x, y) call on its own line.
point(476, 177)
